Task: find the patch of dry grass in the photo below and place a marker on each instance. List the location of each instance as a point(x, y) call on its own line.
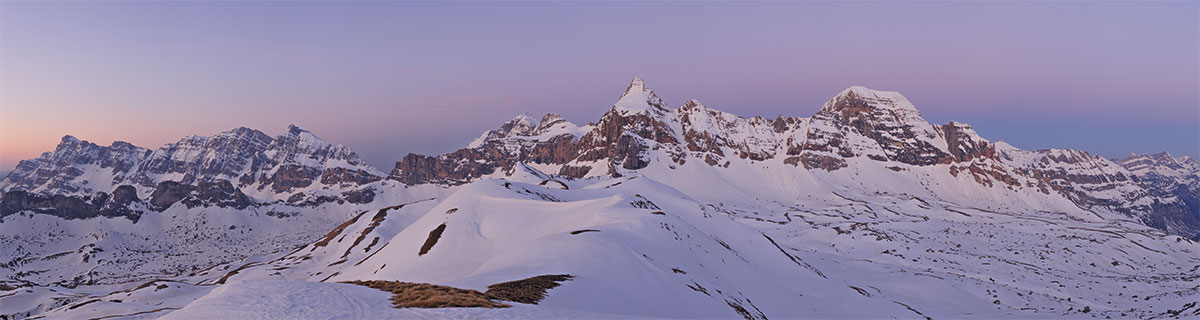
point(336, 231)
point(424, 295)
point(528, 290)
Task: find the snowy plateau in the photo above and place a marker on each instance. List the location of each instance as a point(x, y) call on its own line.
point(862, 210)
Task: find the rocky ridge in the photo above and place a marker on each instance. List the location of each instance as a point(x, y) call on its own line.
point(857, 123)
point(217, 170)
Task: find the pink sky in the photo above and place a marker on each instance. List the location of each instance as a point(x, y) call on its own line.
point(391, 78)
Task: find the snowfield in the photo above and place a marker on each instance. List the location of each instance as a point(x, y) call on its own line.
point(639, 248)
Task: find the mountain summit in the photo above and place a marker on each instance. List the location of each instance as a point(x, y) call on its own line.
point(638, 98)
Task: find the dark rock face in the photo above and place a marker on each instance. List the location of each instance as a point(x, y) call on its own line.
point(574, 172)
point(168, 193)
point(896, 128)
point(365, 195)
point(1175, 216)
point(816, 161)
point(217, 193)
point(206, 193)
point(1164, 176)
point(454, 168)
point(123, 203)
point(963, 145)
point(333, 176)
point(289, 177)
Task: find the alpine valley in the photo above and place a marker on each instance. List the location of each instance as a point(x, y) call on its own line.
point(862, 210)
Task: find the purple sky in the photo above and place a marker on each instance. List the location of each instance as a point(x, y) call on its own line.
point(391, 78)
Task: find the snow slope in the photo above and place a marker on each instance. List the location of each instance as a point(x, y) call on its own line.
point(837, 253)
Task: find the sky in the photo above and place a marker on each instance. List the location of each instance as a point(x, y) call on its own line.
point(389, 78)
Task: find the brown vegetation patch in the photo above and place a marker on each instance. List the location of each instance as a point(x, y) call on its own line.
point(235, 271)
point(699, 288)
point(372, 254)
point(528, 290)
point(336, 231)
point(861, 291)
point(424, 295)
point(432, 240)
point(82, 304)
point(373, 243)
point(330, 276)
point(375, 221)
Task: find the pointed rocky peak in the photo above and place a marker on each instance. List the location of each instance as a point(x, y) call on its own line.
point(638, 99)
point(1163, 157)
point(301, 138)
point(295, 130)
point(692, 104)
point(68, 140)
point(550, 121)
point(524, 119)
point(550, 118)
point(521, 125)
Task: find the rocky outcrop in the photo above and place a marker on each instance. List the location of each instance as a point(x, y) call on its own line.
point(219, 193)
point(123, 202)
point(168, 193)
point(1164, 176)
point(888, 119)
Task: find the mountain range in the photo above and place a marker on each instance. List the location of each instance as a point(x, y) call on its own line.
point(863, 209)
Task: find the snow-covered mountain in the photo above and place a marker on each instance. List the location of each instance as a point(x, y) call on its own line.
point(862, 210)
point(253, 161)
point(90, 214)
point(879, 128)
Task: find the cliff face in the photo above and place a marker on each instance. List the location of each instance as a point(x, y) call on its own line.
point(856, 124)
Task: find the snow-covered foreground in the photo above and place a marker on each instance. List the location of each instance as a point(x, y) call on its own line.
point(639, 248)
point(286, 299)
